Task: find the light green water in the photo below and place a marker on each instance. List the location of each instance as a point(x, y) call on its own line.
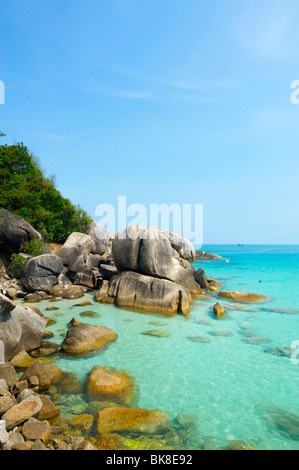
point(234, 390)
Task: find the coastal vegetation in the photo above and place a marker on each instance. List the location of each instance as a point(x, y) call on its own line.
point(28, 193)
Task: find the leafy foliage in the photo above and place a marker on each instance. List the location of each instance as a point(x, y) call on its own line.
point(36, 247)
point(16, 266)
point(25, 191)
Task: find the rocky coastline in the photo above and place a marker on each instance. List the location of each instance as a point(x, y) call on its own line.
point(147, 270)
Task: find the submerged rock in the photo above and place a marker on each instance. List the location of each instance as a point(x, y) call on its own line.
point(282, 421)
point(159, 333)
point(281, 352)
point(198, 339)
point(111, 385)
point(238, 296)
point(131, 420)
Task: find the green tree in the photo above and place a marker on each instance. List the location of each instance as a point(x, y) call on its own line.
point(2, 135)
point(26, 191)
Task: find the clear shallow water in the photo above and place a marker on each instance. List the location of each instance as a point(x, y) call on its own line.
point(232, 388)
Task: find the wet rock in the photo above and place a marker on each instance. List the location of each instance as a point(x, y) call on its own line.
point(238, 296)
point(110, 385)
point(83, 422)
point(111, 442)
point(205, 255)
point(87, 338)
point(89, 313)
point(199, 339)
point(50, 308)
point(46, 348)
point(34, 430)
point(22, 360)
point(131, 420)
point(36, 297)
point(6, 402)
point(219, 311)
point(158, 333)
point(83, 304)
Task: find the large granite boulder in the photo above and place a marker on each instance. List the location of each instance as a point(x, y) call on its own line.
point(201, 278)
point(145, 293)
point(15, 232)
point(150, 252)
point(83, 339)
point(41, 273)
point(76, 245)
point(20, 328)
point(101, 238)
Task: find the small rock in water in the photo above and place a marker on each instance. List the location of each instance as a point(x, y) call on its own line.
point(51, 308)
point(282, 352)
point(220, 333)
point(282, 421)
point(127, 320)
point(158, 323)
point(199, 339)
point(256, 340)
point(89, 314)
point(83, 304)
point(162, 334)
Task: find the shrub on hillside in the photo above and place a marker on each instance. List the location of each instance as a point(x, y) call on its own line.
point(26, 191)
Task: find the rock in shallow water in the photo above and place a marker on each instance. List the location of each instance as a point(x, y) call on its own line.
point(238, 296)
point(131, 420)
point(110, 385)
point(158, 333)
point(87, 338)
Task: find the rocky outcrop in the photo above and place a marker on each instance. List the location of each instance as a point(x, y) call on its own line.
point(184, 247)
point(145, 293)
point(83, 339)
point(41, 273)
point(131, 420)
point(238, 296)
point(15, 232)
point(77, 244)
point(150, 252)
point(101, 238)
point(20, 328)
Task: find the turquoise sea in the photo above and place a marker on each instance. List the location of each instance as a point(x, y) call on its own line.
point(231, 386)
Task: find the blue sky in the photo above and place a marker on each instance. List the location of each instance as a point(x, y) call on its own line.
point(162, 101)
